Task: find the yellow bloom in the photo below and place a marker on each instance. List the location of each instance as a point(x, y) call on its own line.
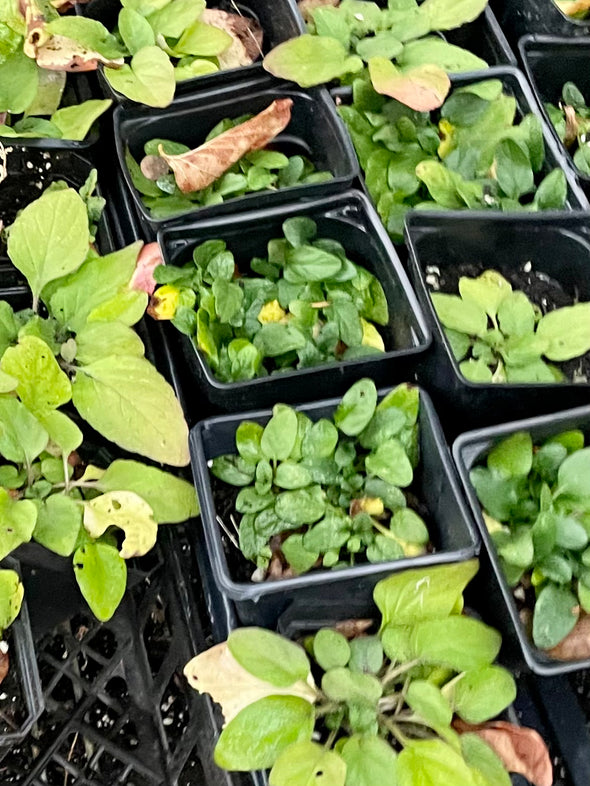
point(164, 302)
point(271, 312)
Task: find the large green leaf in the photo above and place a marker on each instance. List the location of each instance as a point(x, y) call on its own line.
point(22, 437)
point(75, 122)
point(58, 524)
point(171, 499)
point(257, 735)
point(432, 763)
point(308, 764)
point(459, 642)
point(42, 385)
point(149, 79)
point(49, 238)
point(101, 574)
point(424, 593)
point(98, 280)
point(445, 15)
point(269, 656)
point(311, 60)
point(127, 401)
point(98, 340)
point(18, 82)
point(370, 761)
point(17, 522)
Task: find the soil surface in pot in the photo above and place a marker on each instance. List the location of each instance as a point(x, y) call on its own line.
point(544, 292)
point(13, 709)
point(241, 569)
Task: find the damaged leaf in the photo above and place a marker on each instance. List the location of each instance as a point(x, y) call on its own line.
point(199, 168)
point(422, 88)
point(127, 511)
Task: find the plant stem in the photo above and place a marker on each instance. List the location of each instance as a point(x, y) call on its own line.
point(67, 486)
point(35, 305)
point(393, 673)
point(392, 727)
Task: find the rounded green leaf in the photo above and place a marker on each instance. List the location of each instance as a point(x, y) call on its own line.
point(390, 463)
point(567, 331)
point(459, 642)
point(427, 701)
point(556, 612)
point(248, 436)
point(311, 60)
point(330, 649)
point(280, 433)
point(513, 456)
point(257, 735)
point(432, 763)
point(574, 474)
point(302, 506)
point(268, 656)
point(464, 316)
point(370, 761)
point(357, 407)
point(58, 524)
point(483, 693)
point(149, 79)
point(308, 764)
point(481, 757)
point(101, 574)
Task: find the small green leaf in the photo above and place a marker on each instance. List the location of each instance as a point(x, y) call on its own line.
point(330, 649)
point(573, 476)
point(556, 612)
point(464, 316)
point(567, 331)
point(370, 761)
point(17, 522)
point(148, 79)
point(431, 763)
point(513, 456)
point(357, 407)
point(278, 438)
point(101, 574)
point(58, 524)
point(390, 463)
point(75, 122)
point(481, 694)
point(427, 701)
point(307, 764)
point(268, 656)
point(11, 598)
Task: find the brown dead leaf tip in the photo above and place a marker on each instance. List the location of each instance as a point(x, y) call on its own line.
point(245, 31)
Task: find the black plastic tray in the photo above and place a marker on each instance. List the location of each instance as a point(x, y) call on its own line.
point(279, 19)
point(23, 661)
point(348, 218)
point(557, 244)
point(550, 62)
point(519, 17)
point(468, 450)
point(79, 88)
point(450, 524)
point(315, 130)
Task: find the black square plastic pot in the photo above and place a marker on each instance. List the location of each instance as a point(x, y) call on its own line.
point(519, 17)
point(348, 218)
point(24, 663)
point(279, 19)
point(557, 244)
point(315, 131)
point(450, 525)
point(78, 89)
point(469, 450)
point(549, 63)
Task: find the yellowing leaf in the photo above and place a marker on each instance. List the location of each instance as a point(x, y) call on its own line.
point(127, 511)
point(423, 88)
point(200, 167)
point(218, 673)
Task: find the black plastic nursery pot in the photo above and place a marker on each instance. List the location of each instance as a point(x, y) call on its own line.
point(471, 449)
point(556, 245)
point(21, 697)
point(315, 131)
point(78, 89)
point(549, 63)
point(435, 485)
point(348, 218)
point(279, 20)
point(519, 17)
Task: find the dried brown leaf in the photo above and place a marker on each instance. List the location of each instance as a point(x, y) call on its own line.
point(576, 645)
point(197, 169)
point(352, 629)
point(571, 126)
point(59, 53)
point(4, 665)
point(522, 750)
point(246, 33)
point(306, 7)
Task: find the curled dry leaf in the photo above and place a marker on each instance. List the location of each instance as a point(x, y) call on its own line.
point(352, 629)
point(4, 661)
point(571, 126)
point(576, 645)
point(218, 673)
point(521, 750)
point(246, 33)
point(197, 169)
point(148, 260)
point(306, 7)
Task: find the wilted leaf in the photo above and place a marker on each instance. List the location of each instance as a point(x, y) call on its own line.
point(247, 35)
point(200, 167)
point(576, 645)
point(127, 511)
point(63, 54)
point(522, 750)
point(422, 88)
point(148, 260)
point(219, 674)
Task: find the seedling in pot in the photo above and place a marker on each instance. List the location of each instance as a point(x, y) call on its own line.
point(304, 304)
point(236, 158)
point(344, 35)
point(472, 155)
point(498, 335)
point(154, 46)
point(11, 598)
point(571, 120)
point(79, 510)
point(76, 342)
point(328, 494)
point(408, 704)
point(536, 505)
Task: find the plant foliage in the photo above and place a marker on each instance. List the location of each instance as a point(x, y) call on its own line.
point(571, 120)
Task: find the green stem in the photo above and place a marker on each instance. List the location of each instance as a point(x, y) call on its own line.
point(66, 484)
point(394, 673)
point(392, 727)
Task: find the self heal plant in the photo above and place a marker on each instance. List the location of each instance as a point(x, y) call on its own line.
point(328, 494)
point(343, 35)
point(406, 705)
point(571, 120)
point(76, 343)
point(473, 154)
point(497, 334)
point(303, 304)
point(536, 503)
point(232, 161)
